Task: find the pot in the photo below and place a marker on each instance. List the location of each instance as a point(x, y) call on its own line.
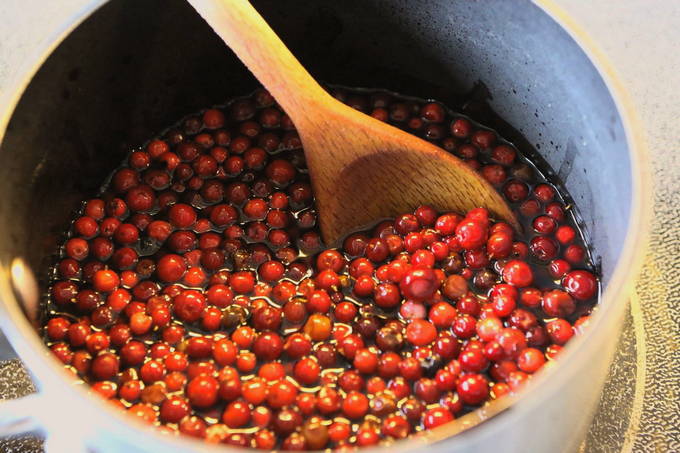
point(132, 68)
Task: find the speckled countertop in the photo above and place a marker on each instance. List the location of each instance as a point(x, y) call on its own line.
point(641, 40)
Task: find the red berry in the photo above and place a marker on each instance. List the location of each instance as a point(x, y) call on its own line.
point(560, 331)
point(473, 389)
point(182, 215)
point(581, 285)
point(280, 171)
point(518, 273)
point(306, 371)
point(105, 366)
point(236, 414)
point(420, 332)
point(471, 234)
point(565, 234)
point(365, 361)
point(281, 393)
point(170, 268)
point(189, 305)
point(202, 391)
point(530, 360)
point(419, 284)
point(436, 416)
point(355, 405)
point(442, 314)
point(558, 304)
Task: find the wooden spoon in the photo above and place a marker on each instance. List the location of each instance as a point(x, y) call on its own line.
point(362, 169)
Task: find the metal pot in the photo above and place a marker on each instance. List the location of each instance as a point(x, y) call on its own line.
point(134, 67)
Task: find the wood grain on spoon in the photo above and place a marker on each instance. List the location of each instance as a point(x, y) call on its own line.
point(361, 169)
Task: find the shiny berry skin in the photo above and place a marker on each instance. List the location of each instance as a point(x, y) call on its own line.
point(473, 389)
point(345, 311)
point(365, 361)
point(471, 234)
point(419, 284)
point(565, 234)
point(182, 215)
point(105, 366)
point(355, 405)
point(473, 361)
point(464, 326)
point(512, 341)
point(516, 191)
point(171, 268)
point(544, 224)
point(574, 254)
point(442, 314)
point(202, 391)
point(426, 390)
point(174, 409)
point(518, 273)
point(198, 288)
point(319, 302)
point(544, 248)
point(581, 285)
point(297, 345)
point(242, 282)
point(386, 295)
point(189, 305)
point(280, 172)
point(281, 393)
point(306, 371)
point(559, 331)
point(436, 416)
point(530, 360)
point(236, 414)
point(268, 346)
point(558, 304)
point(420, 332)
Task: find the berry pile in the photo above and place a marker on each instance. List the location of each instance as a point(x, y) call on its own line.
point(196, 294)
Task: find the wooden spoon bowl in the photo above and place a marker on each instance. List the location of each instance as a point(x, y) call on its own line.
point(361, 169)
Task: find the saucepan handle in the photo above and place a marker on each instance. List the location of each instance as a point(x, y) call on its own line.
point(17, 416)
point(38, 411)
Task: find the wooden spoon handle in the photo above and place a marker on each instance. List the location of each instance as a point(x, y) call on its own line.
point(243, 29)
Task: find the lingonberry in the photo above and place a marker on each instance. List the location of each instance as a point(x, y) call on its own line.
point(473, 389)
point(580, 284)
point(306, 371)
point(556, 211)
point(559, 331)
point(544, 224)
point(442, 315)
point(512, 341)
point(471, 234)
point(530, 360)
point(436, 416)
point(202, 270)
point(202, 391)
point(189, 305)
point(495, 174)
point(464, 326)
point(281, 393)
point(558, 304)
point(574, 254)
point(268, 346)
point(565, 234)
point(419, 284)
point(518, 273)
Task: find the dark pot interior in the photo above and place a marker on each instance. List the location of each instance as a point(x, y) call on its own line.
point(135, 67)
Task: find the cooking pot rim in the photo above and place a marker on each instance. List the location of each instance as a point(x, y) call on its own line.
point(57, 382)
